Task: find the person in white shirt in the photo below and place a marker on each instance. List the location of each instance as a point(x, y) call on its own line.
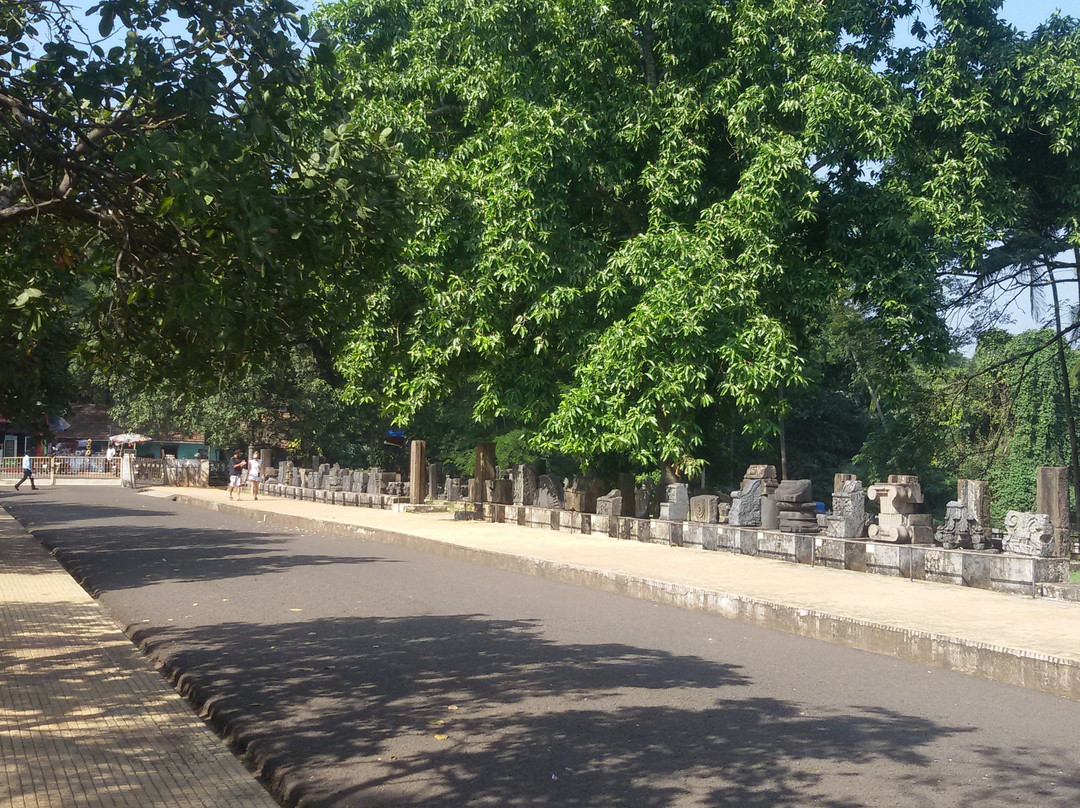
point(254, 475)
point(27, 472)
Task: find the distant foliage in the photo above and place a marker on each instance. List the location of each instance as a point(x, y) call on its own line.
point(1028, 428)
point(995, 417)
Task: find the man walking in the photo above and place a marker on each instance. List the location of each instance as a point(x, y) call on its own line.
point(236, 473)
point(27, 472)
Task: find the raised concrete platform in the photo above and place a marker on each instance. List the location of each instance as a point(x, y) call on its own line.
point(1001, 572)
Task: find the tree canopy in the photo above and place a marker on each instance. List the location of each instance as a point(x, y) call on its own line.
point(169, 185)
point(636, 233)
point(629, 211)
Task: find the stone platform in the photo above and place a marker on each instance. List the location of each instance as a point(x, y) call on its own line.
point(1001, 572)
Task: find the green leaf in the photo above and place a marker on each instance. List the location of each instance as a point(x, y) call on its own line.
point(26, 296)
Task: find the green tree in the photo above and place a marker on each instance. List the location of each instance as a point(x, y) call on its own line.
point(1020, 421)
point(996, 417)
point(992, 162)
point(290, 406)
point(629, 212)
point(167, 159)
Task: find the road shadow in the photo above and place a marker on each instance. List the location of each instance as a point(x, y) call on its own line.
point(141, 547)
point(467, 710)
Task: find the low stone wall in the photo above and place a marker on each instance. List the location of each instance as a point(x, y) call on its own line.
point(1000, 572)
point(381, 501)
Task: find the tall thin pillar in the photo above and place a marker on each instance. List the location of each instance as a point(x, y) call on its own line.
point(417, 471)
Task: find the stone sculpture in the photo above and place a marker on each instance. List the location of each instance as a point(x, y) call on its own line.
point(581, 495)
point(746, 502)
point(848, 518)
point(967, 518)
point(677, 505)
point(499, 492)
point(705, 508)
point(525, 484)
point(1029, 534)
point(1052, 498)
point(899, 520)
point(455, 489)
point(795, 506)
point(610, 504)
point(549, 492)
point(643, 496)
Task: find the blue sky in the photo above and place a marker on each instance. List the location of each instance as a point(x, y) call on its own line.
point(1027, 14)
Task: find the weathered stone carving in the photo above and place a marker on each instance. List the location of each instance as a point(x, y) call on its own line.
point(610, 504)
point(705, 508)
point(899, 520)
point(746, 502)
point(434, 480)
point(795, 506)
point(484, 469)
point(456, 489)
point(1052, 498)
point(332, 479)
point(677, 505)
point(967, 518)
point(643, 496)
point(1030, 534)
point(848, 519)
point(549, 492)
point(499, 492)
point(525, 484)
point(581, 494)
point(397, 488)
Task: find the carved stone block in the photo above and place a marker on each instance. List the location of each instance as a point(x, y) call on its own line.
point(899, 520)
point(746, 504)
point(705, 508)
point(1030, 534)
point(848, 519)
point(677, 505)
point(549, 492)
point(610, 504)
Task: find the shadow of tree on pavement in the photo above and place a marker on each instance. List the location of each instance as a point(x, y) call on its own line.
point(466, 710)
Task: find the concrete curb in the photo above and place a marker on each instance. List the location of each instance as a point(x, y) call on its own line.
point(1060, 677)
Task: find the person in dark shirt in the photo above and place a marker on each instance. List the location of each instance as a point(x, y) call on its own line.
point(236, 473)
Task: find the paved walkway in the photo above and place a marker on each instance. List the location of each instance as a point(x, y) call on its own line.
point(86, 721)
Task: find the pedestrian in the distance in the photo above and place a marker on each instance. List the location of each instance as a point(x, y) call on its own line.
point(236, 473)
point(255, 475)
point(27, 472)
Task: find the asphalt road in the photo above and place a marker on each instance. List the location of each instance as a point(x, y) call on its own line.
point(361, 674)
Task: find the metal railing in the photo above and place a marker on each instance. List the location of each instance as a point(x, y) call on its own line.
point(69, 467)
point(148, 470)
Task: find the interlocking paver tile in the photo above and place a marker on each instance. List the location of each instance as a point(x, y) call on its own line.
point(85, 719)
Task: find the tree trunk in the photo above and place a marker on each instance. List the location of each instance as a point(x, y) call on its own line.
point(783, 439)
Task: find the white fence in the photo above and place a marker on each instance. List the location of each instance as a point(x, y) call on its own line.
point(148, 470)
point(71, 467)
